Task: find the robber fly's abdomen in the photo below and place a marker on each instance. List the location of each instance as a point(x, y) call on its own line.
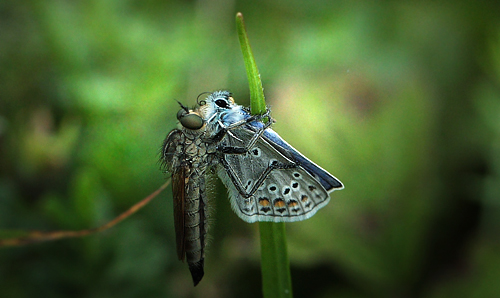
point(195, 223)
point(185, 156)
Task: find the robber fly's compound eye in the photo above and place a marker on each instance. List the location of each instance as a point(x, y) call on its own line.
point(181, 113)
point(189, 120)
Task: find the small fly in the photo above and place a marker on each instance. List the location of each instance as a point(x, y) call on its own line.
point(267, 179)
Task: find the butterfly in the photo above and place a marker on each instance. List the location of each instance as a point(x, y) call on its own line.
point(267, 179)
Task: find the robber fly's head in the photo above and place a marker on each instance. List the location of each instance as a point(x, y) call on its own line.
point(189, 119)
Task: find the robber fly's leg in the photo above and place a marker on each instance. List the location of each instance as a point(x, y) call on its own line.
point(227, 129)
point(234, 178)
point(273, 165)
point(251, 143)
point(251, 119)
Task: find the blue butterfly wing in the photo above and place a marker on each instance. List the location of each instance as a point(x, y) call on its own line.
point(327, 180)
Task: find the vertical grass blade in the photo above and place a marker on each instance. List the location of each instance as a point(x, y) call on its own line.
point(257, 101)
point(276, 278)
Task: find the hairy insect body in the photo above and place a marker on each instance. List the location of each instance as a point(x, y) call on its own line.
point(267, 179)
point(188, 158)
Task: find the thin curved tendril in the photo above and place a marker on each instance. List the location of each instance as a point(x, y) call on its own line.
point(40, 236)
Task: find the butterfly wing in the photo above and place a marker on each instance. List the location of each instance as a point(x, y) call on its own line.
point(329, 182)
point(258, 193)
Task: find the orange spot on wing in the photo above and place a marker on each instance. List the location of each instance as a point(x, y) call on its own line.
point(279, 203)
point(264, 202)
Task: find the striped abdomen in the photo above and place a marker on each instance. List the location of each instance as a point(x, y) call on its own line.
point(190, 214)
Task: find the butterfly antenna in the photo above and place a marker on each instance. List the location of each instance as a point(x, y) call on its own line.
point(198, 98)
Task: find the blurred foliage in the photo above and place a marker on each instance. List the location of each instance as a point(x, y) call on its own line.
point(399, 100)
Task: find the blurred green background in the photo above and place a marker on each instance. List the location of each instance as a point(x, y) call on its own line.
point(400, 100)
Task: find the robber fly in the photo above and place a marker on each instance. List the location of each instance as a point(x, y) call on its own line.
point(267, 179)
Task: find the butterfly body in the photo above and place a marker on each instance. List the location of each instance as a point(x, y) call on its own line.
point(267, 179)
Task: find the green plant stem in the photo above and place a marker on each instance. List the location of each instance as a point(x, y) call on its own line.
point(275, 266)
point(257, 100)
point(276, 277)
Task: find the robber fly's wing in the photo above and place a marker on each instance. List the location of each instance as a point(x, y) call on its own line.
point(179, 199)
point(168, 158)
point(259, 191)
point(171, 162)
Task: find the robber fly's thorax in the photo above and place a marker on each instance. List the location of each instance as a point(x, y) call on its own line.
point(195, 148)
